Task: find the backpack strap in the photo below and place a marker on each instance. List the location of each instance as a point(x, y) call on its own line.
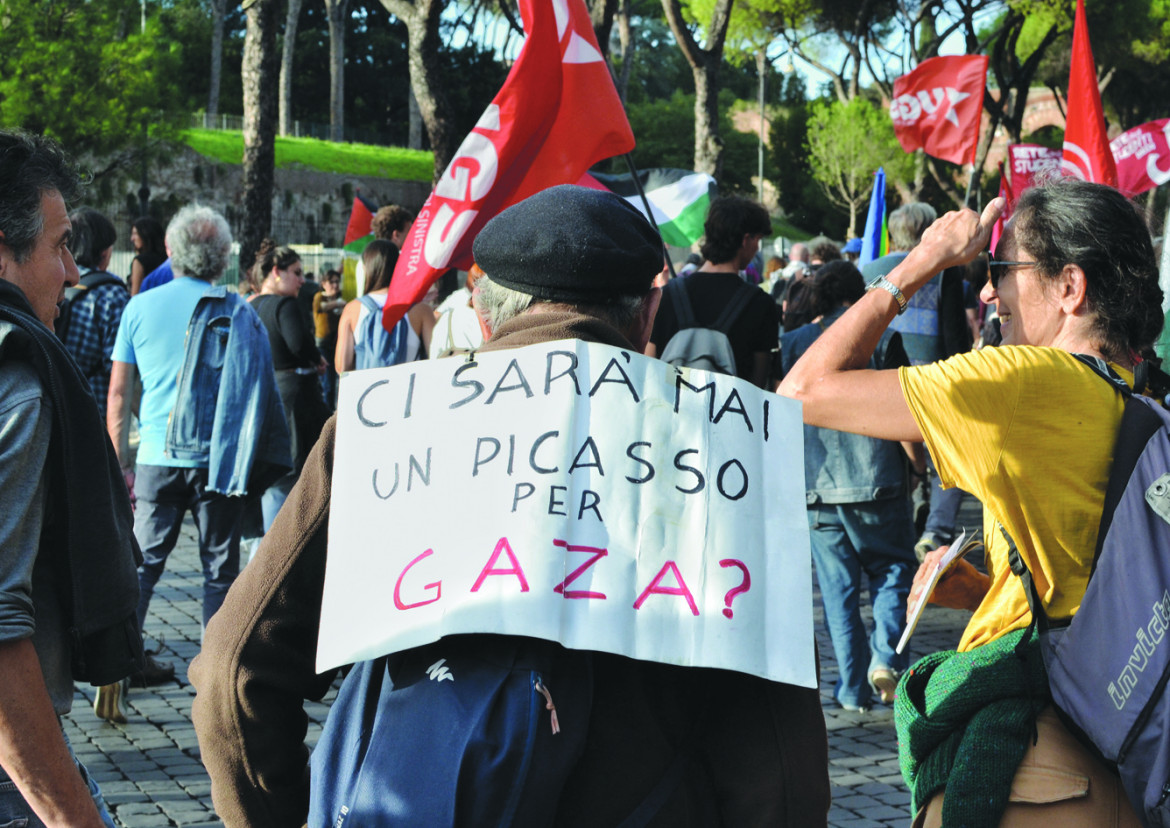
point(734, 308)
point(1102, 369)
point(1139, 423)
point(99, 278)
point(369, 302)
point(1021, 571)
point(683, 311)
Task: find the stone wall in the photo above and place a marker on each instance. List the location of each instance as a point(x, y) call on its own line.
point(308, 206)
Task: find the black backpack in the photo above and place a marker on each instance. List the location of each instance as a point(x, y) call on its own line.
point(91, 280)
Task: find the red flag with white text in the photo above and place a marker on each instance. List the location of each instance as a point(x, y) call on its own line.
point(937, 107)
point(1086, 147)
point(1142, 157)
point(1030, 163)
point(556, 116)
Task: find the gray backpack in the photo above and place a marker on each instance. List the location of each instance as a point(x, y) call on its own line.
point(694, 346)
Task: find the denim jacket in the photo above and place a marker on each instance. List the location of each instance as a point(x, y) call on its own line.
point(227, 410)
point(841, 467)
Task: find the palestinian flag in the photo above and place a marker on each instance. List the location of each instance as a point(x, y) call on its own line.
point(679, 199)
point(358, 233)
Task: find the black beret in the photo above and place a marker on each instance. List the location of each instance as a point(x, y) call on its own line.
point(571, 244)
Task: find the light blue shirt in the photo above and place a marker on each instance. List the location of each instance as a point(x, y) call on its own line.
point(151, 336)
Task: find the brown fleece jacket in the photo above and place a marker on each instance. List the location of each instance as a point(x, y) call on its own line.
point(758, 749)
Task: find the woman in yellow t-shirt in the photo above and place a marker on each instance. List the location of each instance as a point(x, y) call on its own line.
point(1029, 429)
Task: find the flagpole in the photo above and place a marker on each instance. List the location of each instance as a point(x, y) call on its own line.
point(649, 212)
point(970, 187)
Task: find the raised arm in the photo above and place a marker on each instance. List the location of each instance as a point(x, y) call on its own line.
point(828, 379)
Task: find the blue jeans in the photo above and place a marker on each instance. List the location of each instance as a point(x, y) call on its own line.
point(274, 497)
point(165, 493)
point(875, 538)
point(944, 506)
point(16, 813)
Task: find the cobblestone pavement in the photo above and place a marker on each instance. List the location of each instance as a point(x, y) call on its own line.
point(150, 772)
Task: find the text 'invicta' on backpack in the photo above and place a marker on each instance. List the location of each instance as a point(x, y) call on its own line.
point(1108, 668)
point(695, 346)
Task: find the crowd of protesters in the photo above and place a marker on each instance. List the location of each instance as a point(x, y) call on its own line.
point(906, 405)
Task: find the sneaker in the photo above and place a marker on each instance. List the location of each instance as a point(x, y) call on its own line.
point(884, 682)
point(108, 702)
point(155, 672)
point(854, 708)
point(926, 544)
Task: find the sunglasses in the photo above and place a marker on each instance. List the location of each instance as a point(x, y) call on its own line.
point(997, 269)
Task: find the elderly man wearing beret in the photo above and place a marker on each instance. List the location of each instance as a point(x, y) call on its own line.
point(659, 744)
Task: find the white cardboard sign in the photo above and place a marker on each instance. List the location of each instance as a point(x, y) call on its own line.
point(574, 492)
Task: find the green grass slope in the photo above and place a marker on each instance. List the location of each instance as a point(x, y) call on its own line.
point(227, 146)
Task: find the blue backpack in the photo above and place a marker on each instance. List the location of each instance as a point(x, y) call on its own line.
point(379, 348)
point(459, 732)
point(1108, 667)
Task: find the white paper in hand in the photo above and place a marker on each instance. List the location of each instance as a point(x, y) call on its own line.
point(958, 549)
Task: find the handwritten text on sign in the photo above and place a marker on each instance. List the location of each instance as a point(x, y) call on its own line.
point(574, 492)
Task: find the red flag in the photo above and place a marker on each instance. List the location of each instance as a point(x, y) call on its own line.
point(557, 115)
point(1030, 162)
point(359, 221)
point(1009, 197)
point(1142, 156)
point(937, 107)
point(1086, 148)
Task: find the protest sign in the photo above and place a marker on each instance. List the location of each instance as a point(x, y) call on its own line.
point(574, 492)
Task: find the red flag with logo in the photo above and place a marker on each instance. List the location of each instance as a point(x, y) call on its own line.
point(556, 116)
point(1086, 147)
point(937, 107)
point(1029, 162)
point(1142, 157)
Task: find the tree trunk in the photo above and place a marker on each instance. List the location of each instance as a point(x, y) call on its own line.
point(708, 144)
point(601, 14)
point(705, 64)
point(286, 65)
point(218, 12)
point(422, 26)
point(337, 10)
point(415, 135)
point(260, 75)
point(625, 38)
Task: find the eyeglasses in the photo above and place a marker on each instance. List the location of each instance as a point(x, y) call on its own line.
point(997, 270)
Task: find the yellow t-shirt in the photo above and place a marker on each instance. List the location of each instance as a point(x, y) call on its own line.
point(1030, 432)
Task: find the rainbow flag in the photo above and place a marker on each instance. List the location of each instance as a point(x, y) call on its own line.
point(876, 241)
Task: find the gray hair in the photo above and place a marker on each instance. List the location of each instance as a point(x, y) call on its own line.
point(30, 166)
point(908, 223)
point(200, 242)
point(502, 304)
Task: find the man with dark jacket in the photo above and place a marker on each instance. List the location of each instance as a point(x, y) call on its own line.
point(681, 746)
point(67, 555)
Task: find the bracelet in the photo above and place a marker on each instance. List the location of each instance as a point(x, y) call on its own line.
point(882, 283)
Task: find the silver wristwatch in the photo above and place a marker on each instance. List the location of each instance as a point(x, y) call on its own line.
point(882, 283)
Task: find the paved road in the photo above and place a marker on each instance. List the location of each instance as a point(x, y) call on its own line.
point(150, 772)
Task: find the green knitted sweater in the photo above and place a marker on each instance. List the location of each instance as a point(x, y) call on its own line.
point(964, 722)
